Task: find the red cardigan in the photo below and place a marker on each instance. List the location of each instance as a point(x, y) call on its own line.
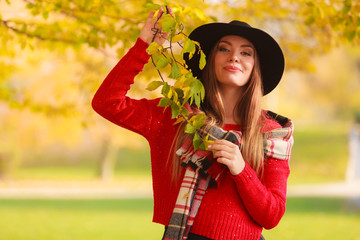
point(238, 208)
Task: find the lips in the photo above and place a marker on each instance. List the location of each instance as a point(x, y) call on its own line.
point(232, 69)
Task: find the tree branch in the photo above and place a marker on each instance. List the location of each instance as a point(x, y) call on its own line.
point(70, 12)
point(27, 34)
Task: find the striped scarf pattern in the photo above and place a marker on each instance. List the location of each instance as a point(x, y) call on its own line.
point(202, 171)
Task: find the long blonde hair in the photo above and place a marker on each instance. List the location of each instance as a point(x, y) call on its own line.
point(247, 114)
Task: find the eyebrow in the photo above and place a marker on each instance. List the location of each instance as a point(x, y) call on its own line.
point(244, 45)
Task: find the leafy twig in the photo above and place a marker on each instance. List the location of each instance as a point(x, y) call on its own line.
point(187, 88)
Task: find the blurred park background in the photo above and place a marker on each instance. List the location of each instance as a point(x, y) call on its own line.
point(66, 173)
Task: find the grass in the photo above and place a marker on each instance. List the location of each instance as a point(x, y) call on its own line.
point(320, 154)
point(305, 218)
point(318, 219)
point(77, 219)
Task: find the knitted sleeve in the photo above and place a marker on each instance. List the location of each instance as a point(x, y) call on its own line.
point(265, 200)
point(110, 100)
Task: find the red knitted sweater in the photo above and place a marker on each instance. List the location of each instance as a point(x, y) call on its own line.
point(238, 208)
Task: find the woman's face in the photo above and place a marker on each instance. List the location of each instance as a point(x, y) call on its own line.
point(234, 61)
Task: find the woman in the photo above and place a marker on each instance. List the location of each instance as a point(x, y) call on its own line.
point(248, 192)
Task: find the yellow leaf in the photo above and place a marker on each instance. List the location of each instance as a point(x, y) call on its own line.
point(202, 62)
point(207, 143)
point(153, 48)
point(178, 120)
point(184, 71)
point(178, 38)
point(170, 93)
point(154, 85)
point(175, 94)
point(186, 92)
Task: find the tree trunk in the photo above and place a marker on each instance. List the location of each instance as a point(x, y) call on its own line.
point(353, 171)
point(107, 160)
point(4, 166)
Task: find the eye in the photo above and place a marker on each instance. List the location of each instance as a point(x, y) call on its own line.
point(246, 53)
point(223, 49)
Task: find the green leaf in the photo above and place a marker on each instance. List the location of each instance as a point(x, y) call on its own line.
point(189, 128)
point(197, 141)
point(175, 73)
point(154, 85)
point(197, 100)
point(310, 4)
point(151, 6)
point(196, 86)
point(23, 28)
point(189, 75)
point(163, 62)
point(179, 92)
point(189, 47)
point(310, 20)
point(198, 120)
point(165, 89)
point(350, 36)
point(175, 110)
point(197, 92)
point(165, 102)
point(184, 111)
point(45, 15)
point(29, 5)
point(167, 23)
point(202, 146)
point(347, 7)
point(202, 62)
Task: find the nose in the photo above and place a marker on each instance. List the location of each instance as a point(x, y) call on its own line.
point(234, 58)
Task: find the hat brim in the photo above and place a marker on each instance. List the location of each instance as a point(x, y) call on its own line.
point(270, 54)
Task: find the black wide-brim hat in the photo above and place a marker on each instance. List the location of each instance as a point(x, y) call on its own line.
point(270, 54)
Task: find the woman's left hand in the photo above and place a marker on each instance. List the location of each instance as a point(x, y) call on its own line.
point(152, 31)
point(229, 154)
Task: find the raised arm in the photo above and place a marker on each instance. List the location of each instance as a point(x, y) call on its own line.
point(110, 100)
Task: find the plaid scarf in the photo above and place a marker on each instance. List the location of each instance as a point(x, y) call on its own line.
point(202, 171)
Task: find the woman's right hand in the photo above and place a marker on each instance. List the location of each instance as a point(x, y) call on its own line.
point(151, 31)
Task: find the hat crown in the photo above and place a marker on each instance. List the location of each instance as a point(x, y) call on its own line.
point(239, 23)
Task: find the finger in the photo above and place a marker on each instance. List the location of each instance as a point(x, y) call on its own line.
point(160, 13)
point(222, 154)
point(150, 17)
point(227, 145)
point(169, 11)
point(224, 161)
point(220, 147)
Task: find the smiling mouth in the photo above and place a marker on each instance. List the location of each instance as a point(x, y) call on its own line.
point(232, 69)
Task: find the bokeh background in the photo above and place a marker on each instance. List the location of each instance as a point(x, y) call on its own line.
point(66, 173)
